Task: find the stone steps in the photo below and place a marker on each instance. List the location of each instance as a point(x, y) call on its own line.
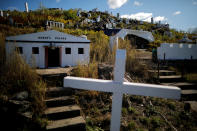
point(170, 78)
point(70, 124)
point(188, 90)
point(182, 85)
point(59, 91)
point(63, 112)
point(162, 72)
point(161, 67)
point(189, 95)
point(60, 101)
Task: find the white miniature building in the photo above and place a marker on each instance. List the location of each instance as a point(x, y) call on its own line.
point(127, 21)
point(95, 10)
point(152, 20)
point(98, 19)
point(50, 49)
point(79, 13)
point(51, 24)
point(89, 15)
point(26, 7)
point(1, 13)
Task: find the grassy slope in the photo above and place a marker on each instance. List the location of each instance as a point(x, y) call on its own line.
point(138, 113)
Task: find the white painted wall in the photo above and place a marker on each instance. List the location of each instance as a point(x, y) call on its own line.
point(74, 58)
point(39, 59)
point(175, 51)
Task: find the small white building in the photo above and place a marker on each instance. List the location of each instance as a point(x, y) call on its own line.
point(51, 24)
point(50, 49)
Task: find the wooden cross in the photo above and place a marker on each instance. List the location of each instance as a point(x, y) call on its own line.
point(118, 88)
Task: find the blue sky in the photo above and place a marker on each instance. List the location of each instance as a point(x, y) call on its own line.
point(180, 14)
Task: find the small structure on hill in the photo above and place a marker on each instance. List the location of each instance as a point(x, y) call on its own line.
point(1, 13)
point(185, 39)
point(138, 38)
point(50, 49)
point(118, 15)
point(98, 19)
point(168, 33)
point(26, 7)
point(152, 20)
point(95, 10)
point(89, 15)
point(79, 13)
point(52, 24)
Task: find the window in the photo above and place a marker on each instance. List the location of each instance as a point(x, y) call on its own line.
point(80, 51)
point(67, 50)
point(35, 50)
point(19, 50)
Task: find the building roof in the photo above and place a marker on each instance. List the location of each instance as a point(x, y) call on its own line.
point(124, 32)
point(52, 36)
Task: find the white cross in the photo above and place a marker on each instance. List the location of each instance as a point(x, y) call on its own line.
point(118, 88)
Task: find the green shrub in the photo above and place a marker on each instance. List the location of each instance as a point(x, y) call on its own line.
point(124, 111)
point(156, 122)
point(145, 121)
point(191, 77)
point(132, 110)
point(17, 76)
point(88, 71)
point(171, 105)
point(132, 125)
point(136, 99)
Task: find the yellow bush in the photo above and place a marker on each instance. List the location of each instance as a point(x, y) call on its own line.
point(88, 71)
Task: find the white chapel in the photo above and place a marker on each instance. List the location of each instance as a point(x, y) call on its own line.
point(50, 49)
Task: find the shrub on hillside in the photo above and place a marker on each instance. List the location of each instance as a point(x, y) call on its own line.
point(17, 76)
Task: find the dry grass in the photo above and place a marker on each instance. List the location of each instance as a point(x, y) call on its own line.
point(134, 67)
point(191, 77)
point(87, 71)
point(17, 76)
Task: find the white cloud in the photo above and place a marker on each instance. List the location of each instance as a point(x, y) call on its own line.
point(142, 16)
point(194, 2)
point(113, 4)
point(58, 1)
point(160, 18)
point(177, 13)
point(138, 16)
point(137, 3)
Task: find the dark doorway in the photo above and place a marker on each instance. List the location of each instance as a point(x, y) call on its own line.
point(53, 57)
point(138, 42)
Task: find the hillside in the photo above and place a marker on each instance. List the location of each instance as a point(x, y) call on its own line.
point(139, 113)
point(88, 20)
